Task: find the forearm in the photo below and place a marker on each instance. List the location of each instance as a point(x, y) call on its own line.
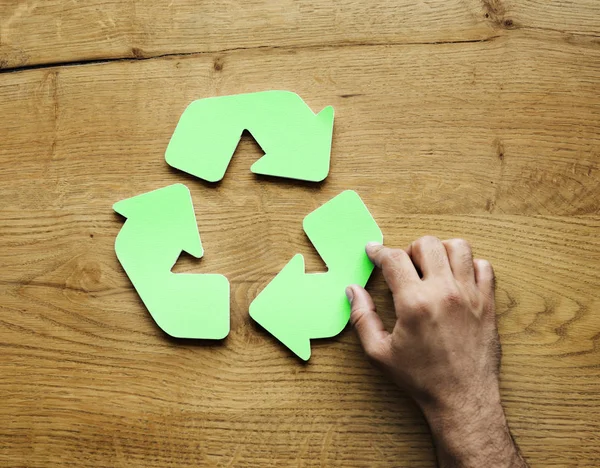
point(473, 434)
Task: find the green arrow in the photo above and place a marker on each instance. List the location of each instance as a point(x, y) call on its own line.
point(295, 306)
point(160, 224)
point(296, 142)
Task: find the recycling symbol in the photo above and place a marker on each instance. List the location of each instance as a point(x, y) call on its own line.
point(295, 306)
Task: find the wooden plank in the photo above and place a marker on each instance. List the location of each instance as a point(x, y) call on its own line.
point(496, 141)
point(52, 31)
point(508, 126)
point(88, 377)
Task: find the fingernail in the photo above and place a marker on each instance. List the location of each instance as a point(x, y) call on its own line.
point(349, 293)
point(372, 245)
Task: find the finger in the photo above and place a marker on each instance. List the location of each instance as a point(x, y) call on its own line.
point(429, 255)
point(460, 257)
point(486, 282)
point(396, 265)
point(484, 277)
point(371, 332)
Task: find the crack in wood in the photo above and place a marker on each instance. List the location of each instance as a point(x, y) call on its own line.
point(142, 56)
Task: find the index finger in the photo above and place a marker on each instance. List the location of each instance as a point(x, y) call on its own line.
point(396, 265)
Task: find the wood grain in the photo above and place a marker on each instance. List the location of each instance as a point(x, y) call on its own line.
point(493, 134)
point(53, 31)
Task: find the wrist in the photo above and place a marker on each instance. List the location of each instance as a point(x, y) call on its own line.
point(471, 430)
point(469, 407)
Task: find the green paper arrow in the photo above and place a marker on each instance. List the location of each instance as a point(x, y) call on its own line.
point(296, 142)
point(295, 306)
point(160, 224)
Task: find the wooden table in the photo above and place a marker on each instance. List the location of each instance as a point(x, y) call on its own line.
point(458, 118)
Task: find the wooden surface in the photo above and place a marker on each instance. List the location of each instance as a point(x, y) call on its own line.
point(478, 119)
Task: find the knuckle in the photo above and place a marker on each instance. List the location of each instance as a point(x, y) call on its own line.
point(392, 258)
point(393, 255)
point(375, 353)
point(396, 254)
point(418, 304)
point(452, 295)
point(459, 245)
point(386, 263)
point(424, 243)
point(453, 299)
point(357, 317)
point(430, 240)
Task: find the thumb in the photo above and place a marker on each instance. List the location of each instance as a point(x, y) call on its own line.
point(368, 324)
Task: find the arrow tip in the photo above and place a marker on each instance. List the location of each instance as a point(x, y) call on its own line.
point(171, 209)
point(273, 309)
point(120, 207)
point(309, 155)
point(302, 349)
point(326, 117)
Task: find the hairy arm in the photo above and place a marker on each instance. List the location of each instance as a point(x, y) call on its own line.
point(444, 349)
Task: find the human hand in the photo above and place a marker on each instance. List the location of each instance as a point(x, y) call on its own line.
point(444, 349)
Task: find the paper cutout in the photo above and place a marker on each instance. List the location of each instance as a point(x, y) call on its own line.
point(296, 307)
point(296, 142)
point(160, 224)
